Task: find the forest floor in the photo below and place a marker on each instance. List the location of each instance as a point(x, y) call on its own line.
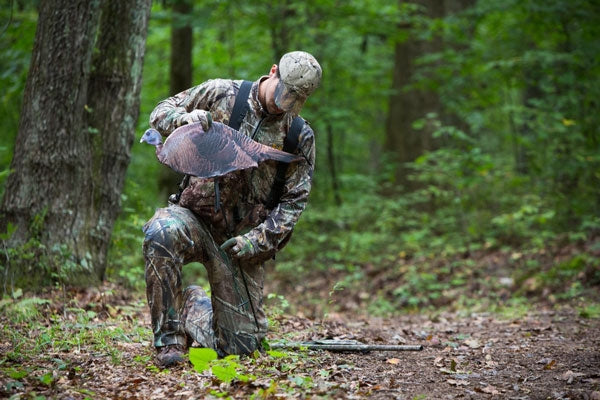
point(96, 344)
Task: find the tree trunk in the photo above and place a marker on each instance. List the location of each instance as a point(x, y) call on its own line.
point(43, 197)
point(279, 26)
point(410, 104)
point(407, 106)
point(180, 79)
point(114, 100)
point(331, 162)
point(75, 133)
point(181, 47)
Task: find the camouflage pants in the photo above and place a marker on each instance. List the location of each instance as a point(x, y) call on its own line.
point(236, 324)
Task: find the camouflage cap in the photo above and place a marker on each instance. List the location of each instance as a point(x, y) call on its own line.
point(300, 74)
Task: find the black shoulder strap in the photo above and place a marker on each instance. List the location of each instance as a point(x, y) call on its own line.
point(240, 107)
point(290, 142)
point(290, 145)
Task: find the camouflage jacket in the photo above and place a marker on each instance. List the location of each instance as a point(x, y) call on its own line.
point(244, 193)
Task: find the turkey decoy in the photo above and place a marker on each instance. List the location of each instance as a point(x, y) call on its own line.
point(220, 150)
point(213, 153)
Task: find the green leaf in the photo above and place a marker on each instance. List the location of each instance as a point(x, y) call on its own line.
point(47, 378)
point(276, 354)
point(201, 358)
point(224, 373)
point(10, 229)
point(418, 124)
point(16, 374)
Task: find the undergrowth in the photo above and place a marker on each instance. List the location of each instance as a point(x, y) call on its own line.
point(446, 244)
point(50, 344)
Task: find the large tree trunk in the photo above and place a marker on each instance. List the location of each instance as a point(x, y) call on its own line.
point(180, 78)
point(74, 138)
point(43, 195)
point(281, 13)
point(410, 104)
point(114, 100)
point(181, 47)
point(407, 106)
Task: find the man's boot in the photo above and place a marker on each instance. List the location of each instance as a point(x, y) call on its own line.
point(170, 355)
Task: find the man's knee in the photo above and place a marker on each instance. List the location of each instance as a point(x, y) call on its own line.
point(157, 242)
point(166, 235)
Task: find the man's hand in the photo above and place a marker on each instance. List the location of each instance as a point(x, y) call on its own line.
point(201, 116)
point(239, 247)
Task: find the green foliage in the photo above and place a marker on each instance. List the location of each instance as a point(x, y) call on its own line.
point(225, 369)
point(527, 94)
point(35, 330)
point(246, 369)
point(590, 311)
point(126, 263)
point(519, 170)
point(15, 47)
point(22, 310)
point(201, 358)
point(47, 378)
point(55, 265)
point(570, 279)
point(514, 308)
point(276, 304)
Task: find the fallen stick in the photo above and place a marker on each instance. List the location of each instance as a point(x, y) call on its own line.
point(342, 345)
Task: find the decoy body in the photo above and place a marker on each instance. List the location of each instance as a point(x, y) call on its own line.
point(207, 154)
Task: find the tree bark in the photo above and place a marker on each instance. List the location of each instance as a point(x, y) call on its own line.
point(332, 169)
point(279, 26)
point(181, 47)
point(42, 197)
point(180, 79)
point(407, 106)
point(75, 133)
point(410, 104)
point(114, 101)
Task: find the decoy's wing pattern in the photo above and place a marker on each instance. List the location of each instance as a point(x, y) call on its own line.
point(220, 150)
point(259, 152)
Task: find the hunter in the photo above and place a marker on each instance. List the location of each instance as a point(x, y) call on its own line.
point(258, 210)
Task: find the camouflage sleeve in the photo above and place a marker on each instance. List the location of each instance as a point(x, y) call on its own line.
point(281, 220)
point(191, 105)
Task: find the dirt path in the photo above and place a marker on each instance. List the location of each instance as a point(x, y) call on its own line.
point(547, 354)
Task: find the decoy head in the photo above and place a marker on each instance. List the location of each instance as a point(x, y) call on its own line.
point(151, 136)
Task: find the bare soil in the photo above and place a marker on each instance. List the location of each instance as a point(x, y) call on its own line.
point(550, 353)
point(547, 354)
point(547, 349)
